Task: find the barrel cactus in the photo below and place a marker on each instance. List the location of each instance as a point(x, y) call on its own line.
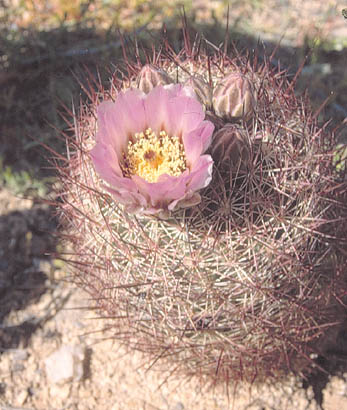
point(205, 215)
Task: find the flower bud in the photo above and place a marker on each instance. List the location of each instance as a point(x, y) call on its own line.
point(149, 77)
point(233, 97)
point(229, 148)
point(202, 90)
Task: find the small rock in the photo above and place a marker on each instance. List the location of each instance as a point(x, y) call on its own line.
point(19, 354)
point(17, 366)
point(2, 388)
point(22, 397)
point(335, 394)
point(177, 406)
point(61, 392)
point(65, 364)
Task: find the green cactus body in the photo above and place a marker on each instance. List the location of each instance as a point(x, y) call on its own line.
point(244, 284)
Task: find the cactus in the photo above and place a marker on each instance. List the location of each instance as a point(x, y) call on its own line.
point(239, 277)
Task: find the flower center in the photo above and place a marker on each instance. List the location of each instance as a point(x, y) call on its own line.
point(150, 155)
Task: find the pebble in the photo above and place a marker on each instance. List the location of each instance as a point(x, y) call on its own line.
point(19, 354)
point(65, 364)
point(22, 397)
point(178, 406)
point(61, 392)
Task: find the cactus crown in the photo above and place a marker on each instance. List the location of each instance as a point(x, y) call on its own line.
point(241, 276)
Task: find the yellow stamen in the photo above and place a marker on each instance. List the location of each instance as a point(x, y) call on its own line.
point(150, 155)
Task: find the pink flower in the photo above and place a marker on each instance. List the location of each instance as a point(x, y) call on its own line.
point(149, 149)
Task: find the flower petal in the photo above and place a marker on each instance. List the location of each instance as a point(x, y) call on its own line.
point(201, 174)
point(186, 114)
point(133, 202)
point(197, 141)
point(156, 109)
point(106, 162)
point(190, 199)
point(169, 108)
point(117, 120)
point(163, 192)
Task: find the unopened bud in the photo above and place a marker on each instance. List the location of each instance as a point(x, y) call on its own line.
point(202, 90)
point(229, 148)
point(233, 97)
point(149, 77)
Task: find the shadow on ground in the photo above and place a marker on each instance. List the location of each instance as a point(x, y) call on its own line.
point(26, 240)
